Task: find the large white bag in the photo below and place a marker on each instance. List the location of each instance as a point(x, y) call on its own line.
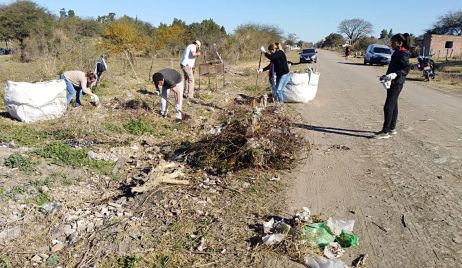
point(30, 102)
point(302, 87)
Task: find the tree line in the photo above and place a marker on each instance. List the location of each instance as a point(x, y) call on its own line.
point(35, 32)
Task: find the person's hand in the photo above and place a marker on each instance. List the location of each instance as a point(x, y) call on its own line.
point(392, 76)
point(259, 70)
point(262, 49)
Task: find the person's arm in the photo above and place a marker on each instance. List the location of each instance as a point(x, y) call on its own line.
point(266, 68)
point(195, 52)
point(403, 62)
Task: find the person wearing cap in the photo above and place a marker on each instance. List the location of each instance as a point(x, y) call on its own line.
point(191, 52)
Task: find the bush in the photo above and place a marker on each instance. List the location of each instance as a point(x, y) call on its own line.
point(20, 162)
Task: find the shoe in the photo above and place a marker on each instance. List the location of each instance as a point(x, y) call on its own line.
point(393, 132)
point(163, 114)
point(382, 135)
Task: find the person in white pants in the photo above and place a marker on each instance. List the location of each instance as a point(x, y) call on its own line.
point(165, 80)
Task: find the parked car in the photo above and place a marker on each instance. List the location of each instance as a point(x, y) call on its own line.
point(5, 51)
point(378, 54)
point(308, 55)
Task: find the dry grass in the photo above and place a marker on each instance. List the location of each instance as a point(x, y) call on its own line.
point(127, 123)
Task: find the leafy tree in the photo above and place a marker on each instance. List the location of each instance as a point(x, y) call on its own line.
point(390, 33)
point(124, 36)
point(383, 34)
point(170, 38)
point(333, 40)
point(363, 42)
point(212, 35)
point(249, 37)
point(354, 29)
point(22, 19)
point(451, 23)
point(106, 18)
point(291, 39)
point(62, 13)
point(71, 13)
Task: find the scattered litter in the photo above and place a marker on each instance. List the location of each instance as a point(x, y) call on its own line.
point(333, 250)
point(457, 239)
point(347, 239)
point(50, 208)
point(336, 226)
point(201, 246)
point(267, 226)
point(303, 216)
point(318, 234)
point(323, 262)
point(273, 239)
point(11, 233)
point(275, 178)
point(403, 221)
point(360, 260)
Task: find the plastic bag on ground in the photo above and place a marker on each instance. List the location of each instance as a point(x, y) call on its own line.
point(347, 239)
point(273, 239)
point(336, 226)
point(318, 234)
point(322, 262)
point(333, 250)
point(30, 102)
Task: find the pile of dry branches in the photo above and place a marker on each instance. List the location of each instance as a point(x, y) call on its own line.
point(256, 139)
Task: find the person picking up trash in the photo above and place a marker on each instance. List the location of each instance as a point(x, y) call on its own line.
point(281, 68)
point(165, 80)
point(78, 82)
point(397, 71)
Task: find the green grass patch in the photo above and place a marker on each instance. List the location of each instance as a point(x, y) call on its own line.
point(21, 162)
point(20, 134)
point(129, 261)
point(113, 127)
point(63, 154)
point(40, 199)
point(139, 127)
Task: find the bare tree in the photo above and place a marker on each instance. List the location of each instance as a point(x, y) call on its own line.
point(354, 29)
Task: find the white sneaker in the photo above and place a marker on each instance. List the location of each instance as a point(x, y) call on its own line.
point(393, 132)
point(382, 135)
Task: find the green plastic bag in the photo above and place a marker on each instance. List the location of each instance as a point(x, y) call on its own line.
point(318, 234)
point(347, 239)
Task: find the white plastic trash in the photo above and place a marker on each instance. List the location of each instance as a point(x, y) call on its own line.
point(302, 87)
point(30, 102)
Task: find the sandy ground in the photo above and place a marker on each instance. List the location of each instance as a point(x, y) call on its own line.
point(405, 192)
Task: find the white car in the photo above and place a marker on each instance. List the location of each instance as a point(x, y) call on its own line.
point(378, 54)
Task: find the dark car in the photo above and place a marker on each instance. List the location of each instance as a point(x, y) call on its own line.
point(308, 55)
point(5, 51)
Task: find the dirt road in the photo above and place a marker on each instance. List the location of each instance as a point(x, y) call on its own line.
point(405, 192)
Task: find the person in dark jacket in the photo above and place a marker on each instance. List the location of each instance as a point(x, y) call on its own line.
point(281, 68)
point(270, 69)
point(399, 65)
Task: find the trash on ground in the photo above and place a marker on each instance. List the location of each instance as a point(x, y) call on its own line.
point(323, 262)
point(333, 250)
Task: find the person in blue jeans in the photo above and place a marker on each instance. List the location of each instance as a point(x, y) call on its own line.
point(78, 82)
point(281, 68)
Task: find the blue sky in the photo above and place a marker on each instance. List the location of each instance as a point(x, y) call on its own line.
point(309, 20)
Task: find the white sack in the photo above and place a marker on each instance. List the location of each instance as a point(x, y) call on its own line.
point(302, 87)
point(30, 102)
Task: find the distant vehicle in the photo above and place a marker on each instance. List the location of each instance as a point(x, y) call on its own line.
point(5, 51)
point(378, 54)
point(308, 55)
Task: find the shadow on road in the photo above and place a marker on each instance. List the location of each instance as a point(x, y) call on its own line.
point(339, 131)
